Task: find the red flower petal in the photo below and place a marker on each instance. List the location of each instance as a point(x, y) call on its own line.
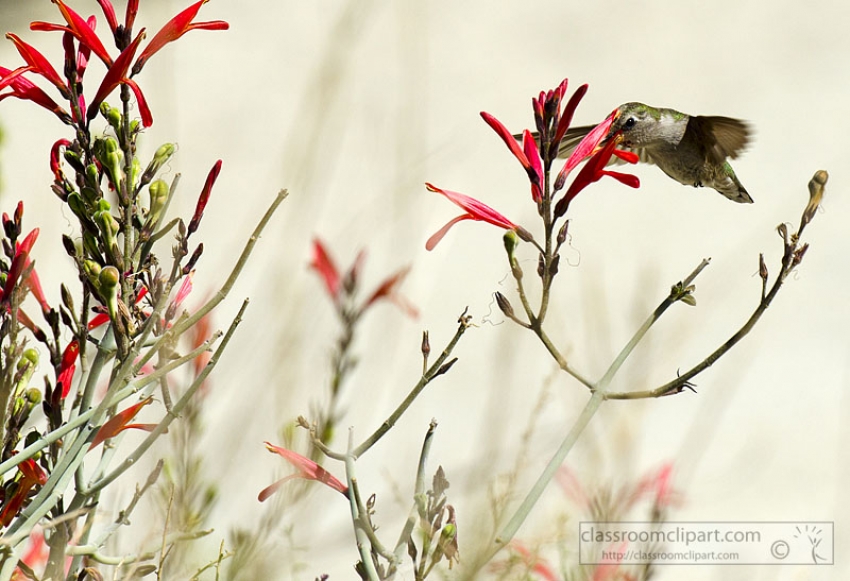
point(118, 423)
point(20, 261)
point(174, 29)
point(80, 28)
point(109, 12)
point(116, 74)
point(39, 63)
point(324, 265)
point(567, 114)
point(387, 290)
point(25, 89)
point(474, 209)
point(307, 469)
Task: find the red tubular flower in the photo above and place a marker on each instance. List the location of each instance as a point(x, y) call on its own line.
point(68, 367)
point(307, 469)
point(116, 75)
point(55, 161)
point(586, 147)
point(388, 290)
point(474, 209)
point(529, 148)
point(204, 197)
point(39, 63)
point(26, 90)
point(19, 262)
point(120, 422)
point(79, 27)
point(534, 562)
point(174, 29)
point(535, 176)
point(109, 13)
point(324, 265)
point(130, 15)
point(593, 171)
point(567, 116)
point(31, 474)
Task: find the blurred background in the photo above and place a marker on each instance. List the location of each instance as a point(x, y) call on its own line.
point(351, 106)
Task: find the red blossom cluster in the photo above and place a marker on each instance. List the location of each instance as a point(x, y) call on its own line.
point(536, 155)
point(80, 41)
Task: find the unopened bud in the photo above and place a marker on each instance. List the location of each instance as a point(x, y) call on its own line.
point(511, 242)
point(158, 192)
point(426, 344)
point(505, 305)
point(762, 268)
point(162, 155)
point(553, 266)
point(816, 189)
point(541, 265)
point(524, 234)
point(108, 279)
point(562, 233)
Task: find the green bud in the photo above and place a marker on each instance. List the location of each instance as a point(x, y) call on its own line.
point(78, 207)
point(90, 244)
point(92, 176)
point(158, 191)
point(135, 170)
point(112, 115)
point(511, 241)
point(162, 155)
point(92, 271)
point(33, 396)
point(90, 195)
point(108, 279)
point(112, 165)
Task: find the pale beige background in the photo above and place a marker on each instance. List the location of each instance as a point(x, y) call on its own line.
point(353, 105)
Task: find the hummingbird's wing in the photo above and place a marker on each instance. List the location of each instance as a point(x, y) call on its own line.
point(573, 137)
point(725, 137)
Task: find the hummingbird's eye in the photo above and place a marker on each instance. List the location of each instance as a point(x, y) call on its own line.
point(630, 122)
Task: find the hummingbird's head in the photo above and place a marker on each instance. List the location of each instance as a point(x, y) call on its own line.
point(638, 125)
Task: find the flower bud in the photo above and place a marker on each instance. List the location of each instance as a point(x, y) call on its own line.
point(816, 188)
point(505, 305)
point(158, 192)
point(511, 242)
point(162, 155)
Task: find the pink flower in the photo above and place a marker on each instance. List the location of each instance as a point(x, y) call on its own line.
point(528, 156)
point(534, 562)
point(594, 169)
point(174, 29)
point(307, 469)
point(474, 210)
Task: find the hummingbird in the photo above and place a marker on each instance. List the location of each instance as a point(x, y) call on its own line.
point(691, 149)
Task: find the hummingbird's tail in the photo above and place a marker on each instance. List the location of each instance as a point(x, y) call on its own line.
point(732, 188)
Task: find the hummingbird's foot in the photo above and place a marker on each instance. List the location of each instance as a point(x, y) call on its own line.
point(697, 184)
